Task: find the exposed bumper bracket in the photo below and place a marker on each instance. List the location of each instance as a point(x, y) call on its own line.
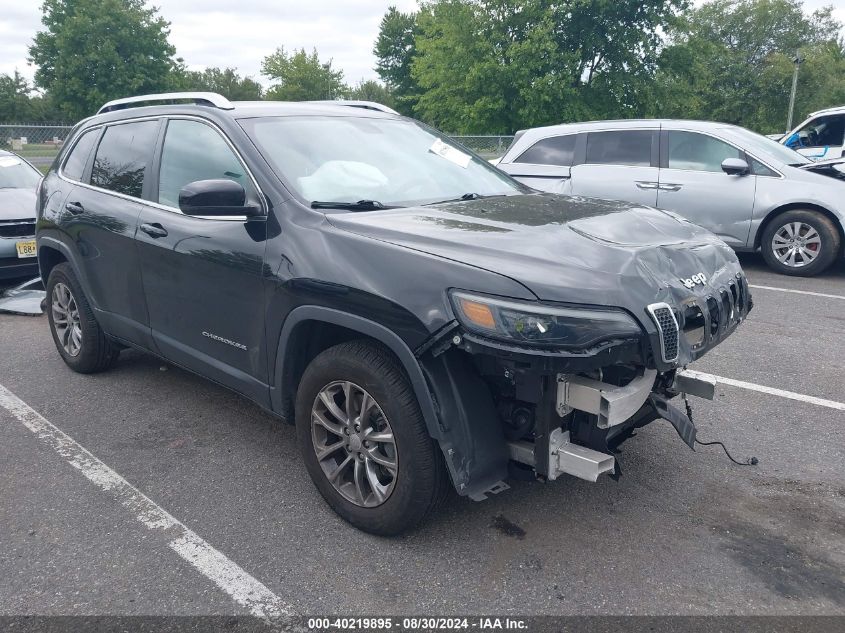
point(694, 383)
point(565, 457)
point(613, 405)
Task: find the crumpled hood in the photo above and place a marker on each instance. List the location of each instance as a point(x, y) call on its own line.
point(17, 204)
point(567, 249)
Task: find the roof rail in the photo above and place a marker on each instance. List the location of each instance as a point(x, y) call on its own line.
point(352, 103)
point(824, 110)
point(199, 98)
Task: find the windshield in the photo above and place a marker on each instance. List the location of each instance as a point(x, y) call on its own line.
point(394, 162)
point(16, 174)
point(757, 144)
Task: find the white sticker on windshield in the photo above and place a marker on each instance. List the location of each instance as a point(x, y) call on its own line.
point(9, 161)
point(450, 153)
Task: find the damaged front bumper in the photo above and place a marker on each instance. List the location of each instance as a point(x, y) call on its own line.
point(553, 452)
point(508, 410)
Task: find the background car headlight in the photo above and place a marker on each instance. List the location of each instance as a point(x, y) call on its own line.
point(541, 325)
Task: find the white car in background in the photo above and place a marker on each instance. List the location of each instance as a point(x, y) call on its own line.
point(821, 136)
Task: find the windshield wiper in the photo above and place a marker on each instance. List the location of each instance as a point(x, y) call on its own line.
point(361, 205)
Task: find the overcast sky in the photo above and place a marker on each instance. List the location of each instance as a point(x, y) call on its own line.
point(240, 33)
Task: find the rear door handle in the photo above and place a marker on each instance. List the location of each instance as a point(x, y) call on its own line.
point(670, 187)
point(155, 230)
point(75, 207)
point(642, 184)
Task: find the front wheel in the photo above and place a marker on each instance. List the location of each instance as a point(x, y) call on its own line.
point(364, 441)
point(800, 243)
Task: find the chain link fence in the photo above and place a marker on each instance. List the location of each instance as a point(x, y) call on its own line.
point(39, 144)
point(486, 146)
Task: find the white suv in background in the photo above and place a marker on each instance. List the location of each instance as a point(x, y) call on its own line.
point(821, 136)
point(749, 190)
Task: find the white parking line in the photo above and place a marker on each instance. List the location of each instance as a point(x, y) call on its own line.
point(830, 404)
point(797, 292)
point(214, 565)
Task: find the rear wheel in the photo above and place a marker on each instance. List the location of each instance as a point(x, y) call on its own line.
point(364, 441)
point(801, 243)
point(80, 340)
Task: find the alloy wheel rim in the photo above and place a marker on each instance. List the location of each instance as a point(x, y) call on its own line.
point(796, 244)
point(66, 319)
point(354, 444)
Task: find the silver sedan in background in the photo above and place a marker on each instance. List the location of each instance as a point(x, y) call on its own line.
point(749, 190)
point(18, 183)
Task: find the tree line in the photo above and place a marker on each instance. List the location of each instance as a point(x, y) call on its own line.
point(475, 66)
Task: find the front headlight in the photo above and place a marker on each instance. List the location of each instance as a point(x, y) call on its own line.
point(540, 325)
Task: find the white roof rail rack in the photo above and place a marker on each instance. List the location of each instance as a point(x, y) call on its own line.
point(367, 105)
point(200, 98)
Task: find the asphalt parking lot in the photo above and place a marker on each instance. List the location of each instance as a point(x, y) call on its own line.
point(681, 532)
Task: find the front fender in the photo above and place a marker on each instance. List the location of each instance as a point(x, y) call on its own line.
point(456, 404)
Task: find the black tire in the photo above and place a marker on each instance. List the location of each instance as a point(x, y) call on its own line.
point(96, 352)
point(829, 247)
point(421, 481)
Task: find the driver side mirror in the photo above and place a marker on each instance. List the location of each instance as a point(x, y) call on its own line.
point(735, 167)
point(216, 198)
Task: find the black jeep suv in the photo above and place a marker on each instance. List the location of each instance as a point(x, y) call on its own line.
point(422, 317)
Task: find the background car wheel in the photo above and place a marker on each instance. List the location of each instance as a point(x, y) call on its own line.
point(79, 338)
point(801, 243)
point(364, 441)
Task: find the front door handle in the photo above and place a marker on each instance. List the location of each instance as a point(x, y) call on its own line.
point(75, 208)
point(155, 230)
point(670, 187)
point(642, 184)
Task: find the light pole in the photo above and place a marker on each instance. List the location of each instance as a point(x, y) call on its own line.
point(327, 67)
point(797, 60)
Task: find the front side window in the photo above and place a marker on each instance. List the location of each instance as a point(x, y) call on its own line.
point(557, 150)
point(353, 158)
point(698, 152)
point(195, 151)
point(78, 157)
point(624, 147)
point(16, 174)
point(122, 157)
point(824, 131)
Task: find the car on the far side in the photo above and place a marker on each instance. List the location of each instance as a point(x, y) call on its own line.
point(751, 191)
point(18, 183)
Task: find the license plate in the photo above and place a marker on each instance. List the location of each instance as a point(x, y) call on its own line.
point(26, 248)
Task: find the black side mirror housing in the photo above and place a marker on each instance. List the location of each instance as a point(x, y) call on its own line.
point(215, 198)
point(735, 167)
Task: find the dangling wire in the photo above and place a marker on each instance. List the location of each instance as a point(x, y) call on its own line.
point(752, 461)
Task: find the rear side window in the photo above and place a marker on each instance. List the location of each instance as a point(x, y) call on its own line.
point(123, 156)
point(195, 151)
point(78, 157)
point(557, 150)
point(698, 152)
point(625, 147)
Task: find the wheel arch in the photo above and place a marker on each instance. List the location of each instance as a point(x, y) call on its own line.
point(796, 206)
point(48, 258)
point(309, 330)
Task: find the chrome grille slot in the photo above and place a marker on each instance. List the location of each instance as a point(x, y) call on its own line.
point(667, 327)
point(715, 315)
point(17, 228)
point(735, 297)
point(740, 288)
point(694, 325)
point(727, 307)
